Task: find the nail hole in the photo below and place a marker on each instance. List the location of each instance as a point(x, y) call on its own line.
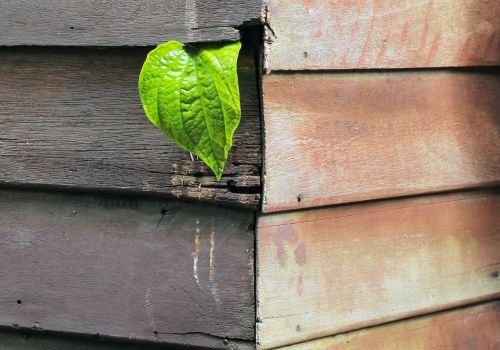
point(72, 27)
point(155, 333)
point(299, 198)
point(305, 54)
point(163, 211)
point(19, 301)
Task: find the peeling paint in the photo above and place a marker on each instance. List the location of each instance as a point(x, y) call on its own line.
point(211, 272)
point(301, 254)
point(196, 253)
point(149, 308)
point(269, 37)
point(147, 186)
point(211, 263)
point(300, 285)
point(284, 233)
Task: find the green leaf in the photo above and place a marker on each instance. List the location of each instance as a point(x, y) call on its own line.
point(192, 95)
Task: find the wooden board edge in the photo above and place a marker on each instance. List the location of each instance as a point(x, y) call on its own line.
point(415, 332)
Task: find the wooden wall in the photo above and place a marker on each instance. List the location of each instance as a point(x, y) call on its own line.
point(126, 267)
point(381, 175)
point(317, 35)
point(126, 23)
point(471, 327)
point(72, 118)
point(331, 270)
point(343, 137)
point(107, 228)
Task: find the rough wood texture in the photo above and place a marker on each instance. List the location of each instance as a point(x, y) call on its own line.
point(42, 340)
point(469, 328)
point(124, 22)
point(72, 117)
point(345, 34)
point(123, 267)
point(339, 137)
point(326, 271)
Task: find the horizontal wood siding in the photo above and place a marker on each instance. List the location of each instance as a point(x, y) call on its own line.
point(346, 34)
point(326, 271)
point(41, 340)
point(126, 267)
point(469, 328)
point(339, 137)
point(72, 117)
point(124, 22)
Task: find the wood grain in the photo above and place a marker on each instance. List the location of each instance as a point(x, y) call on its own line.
point(346, 34)
point(468, 328)
point(126, 267)
point(340, 137)
point(72, 117)
point(326, 271)
point(124, 22)
point(42, 340)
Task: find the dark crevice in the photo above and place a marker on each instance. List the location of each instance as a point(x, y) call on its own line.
point(244, 190)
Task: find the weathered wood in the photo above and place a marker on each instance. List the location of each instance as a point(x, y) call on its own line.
point(339, 137)
point(326, 271)
point(124, 22)
point(72, 117)
point(468, 328)
point(126, 267)
point(42, 340)
point(344, 34)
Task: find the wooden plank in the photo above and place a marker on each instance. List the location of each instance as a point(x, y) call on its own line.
point(339, 137)
point(346, 34)
point(124, 22)
point(126, 267)
point(468, 328)
point(73, 118)
point(326, 271)
point(41, 340)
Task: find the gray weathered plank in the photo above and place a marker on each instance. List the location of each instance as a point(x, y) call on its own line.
point(126, 267)
point(72, 117)
point(124, 22)
point(11, 339)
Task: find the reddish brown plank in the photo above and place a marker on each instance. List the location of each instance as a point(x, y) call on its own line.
point(125, 267)
point(346, 34)
point(468, 328)
point(340, 137)
point(326, 271)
